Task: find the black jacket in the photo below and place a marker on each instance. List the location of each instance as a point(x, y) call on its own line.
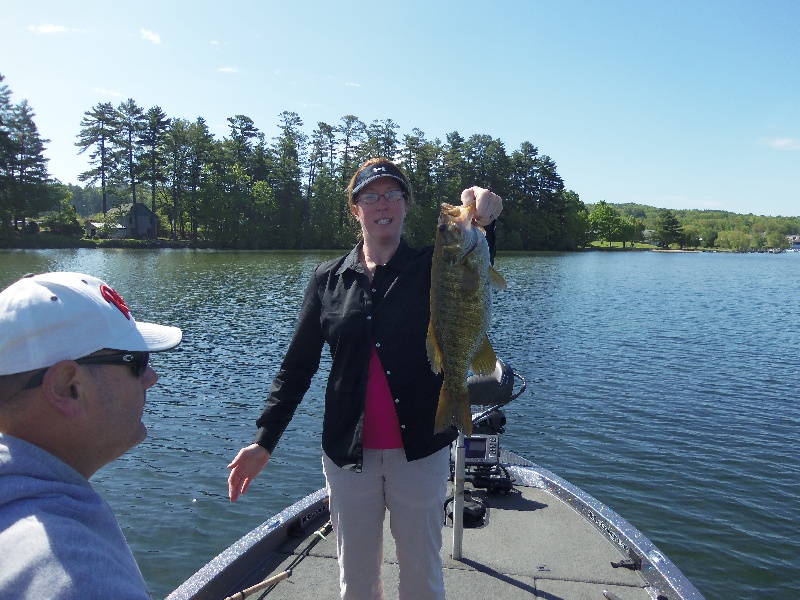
point(340, 309)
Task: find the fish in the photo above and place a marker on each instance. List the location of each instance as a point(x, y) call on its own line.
point(462, 277)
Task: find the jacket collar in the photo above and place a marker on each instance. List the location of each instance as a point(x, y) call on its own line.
point(398, 262)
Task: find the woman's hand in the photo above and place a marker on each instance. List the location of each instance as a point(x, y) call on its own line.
point(244, 468)
point(488, 205)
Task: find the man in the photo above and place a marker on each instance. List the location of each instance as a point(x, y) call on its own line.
point(73, 376)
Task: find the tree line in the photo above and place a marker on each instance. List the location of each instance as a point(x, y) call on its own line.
point(690, 228)
point(247, 191)
point(289, 192)
point(25, 185)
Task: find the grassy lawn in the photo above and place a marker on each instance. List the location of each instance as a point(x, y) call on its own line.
point(53, 241)
point(44, 240)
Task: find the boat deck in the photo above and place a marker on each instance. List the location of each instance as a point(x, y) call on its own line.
point(552, 553)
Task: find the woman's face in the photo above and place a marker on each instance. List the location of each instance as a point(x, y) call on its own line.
point(382, 221)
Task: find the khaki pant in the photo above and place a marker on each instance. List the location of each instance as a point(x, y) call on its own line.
point(414, 493)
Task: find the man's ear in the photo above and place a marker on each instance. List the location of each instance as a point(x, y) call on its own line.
point(63, 387)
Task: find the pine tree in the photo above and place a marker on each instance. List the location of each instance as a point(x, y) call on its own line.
point(152, 140)
point(130, 124)
point(668, 228)
point(98, 130)
point(28, 192)
point(6, 151)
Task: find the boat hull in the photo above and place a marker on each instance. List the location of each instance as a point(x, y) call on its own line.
point(545, 537)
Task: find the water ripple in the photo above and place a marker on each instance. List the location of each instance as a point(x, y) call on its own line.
point(664, 385)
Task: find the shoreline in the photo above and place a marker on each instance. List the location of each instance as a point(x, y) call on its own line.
point(57, 242)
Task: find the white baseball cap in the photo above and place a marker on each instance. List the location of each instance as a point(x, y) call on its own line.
point(64, 316)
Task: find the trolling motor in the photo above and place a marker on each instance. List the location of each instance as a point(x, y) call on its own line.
point(482, 468)
point(495, 390)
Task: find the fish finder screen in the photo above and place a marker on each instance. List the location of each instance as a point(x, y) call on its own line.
point(475, 447)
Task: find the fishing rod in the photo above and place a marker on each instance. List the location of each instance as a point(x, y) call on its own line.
point(270, 582)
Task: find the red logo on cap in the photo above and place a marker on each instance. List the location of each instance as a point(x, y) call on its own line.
point(112, 297)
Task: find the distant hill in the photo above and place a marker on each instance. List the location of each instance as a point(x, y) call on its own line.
point(718, 228)
point(724, 220)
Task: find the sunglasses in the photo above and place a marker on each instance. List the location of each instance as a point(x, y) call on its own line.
point(137, 361)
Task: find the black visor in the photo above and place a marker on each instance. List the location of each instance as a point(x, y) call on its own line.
point(376, 171)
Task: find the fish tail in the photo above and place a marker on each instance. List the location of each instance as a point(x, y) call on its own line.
point(453, 409)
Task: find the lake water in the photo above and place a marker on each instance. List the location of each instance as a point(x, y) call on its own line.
point(666, 385)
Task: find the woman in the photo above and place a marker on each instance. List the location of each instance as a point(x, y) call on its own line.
point(379, 451)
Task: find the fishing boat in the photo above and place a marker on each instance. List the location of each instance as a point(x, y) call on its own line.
point(518, 532)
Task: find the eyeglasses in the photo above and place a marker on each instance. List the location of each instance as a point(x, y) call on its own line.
point(392, 196)
point(137, 361)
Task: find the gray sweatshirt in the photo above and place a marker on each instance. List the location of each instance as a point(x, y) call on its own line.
point(58, 537)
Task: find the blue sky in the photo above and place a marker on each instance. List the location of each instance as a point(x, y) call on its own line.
point(680, 104)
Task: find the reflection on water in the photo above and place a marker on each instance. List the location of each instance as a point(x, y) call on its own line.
point(664, 385)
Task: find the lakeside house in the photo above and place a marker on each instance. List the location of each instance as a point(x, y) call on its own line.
point(97, 228)
point(124, 224)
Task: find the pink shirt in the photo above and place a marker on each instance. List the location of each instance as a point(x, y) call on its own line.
point(381, 426)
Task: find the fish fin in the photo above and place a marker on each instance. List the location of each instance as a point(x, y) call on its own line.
point(434, 352)
point(496, 280)
point(485, 360)
point(453, 410)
